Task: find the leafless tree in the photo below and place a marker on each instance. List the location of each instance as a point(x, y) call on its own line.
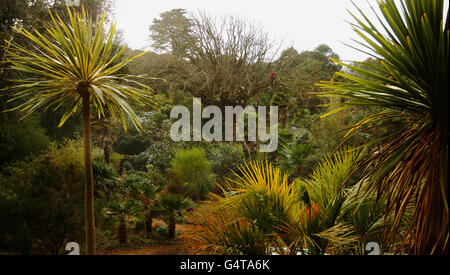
point(228, 60)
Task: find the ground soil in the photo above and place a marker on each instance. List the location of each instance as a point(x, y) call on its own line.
point(174, 247)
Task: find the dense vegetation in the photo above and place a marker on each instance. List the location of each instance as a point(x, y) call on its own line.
point(86, 154)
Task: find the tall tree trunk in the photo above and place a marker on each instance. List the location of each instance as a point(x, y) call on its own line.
point(89, 182)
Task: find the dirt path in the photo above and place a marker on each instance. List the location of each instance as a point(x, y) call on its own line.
point(175, 247)
point(158, 249)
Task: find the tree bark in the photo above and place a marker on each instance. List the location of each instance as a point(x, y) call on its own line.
point(149, 224)
point(106, 153)
point(171, 228)
point(122, 233)
point(89, 179)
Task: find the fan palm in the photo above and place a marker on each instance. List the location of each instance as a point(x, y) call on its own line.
point(316, 223)
point(105, 133)
point(75, 65)
point(412, 87)
point(172, 205)
point(245, 219)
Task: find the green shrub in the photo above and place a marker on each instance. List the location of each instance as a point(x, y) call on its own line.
point(224, 158)
point(41, 202)
point(192, 169)
point(16, 142)
point(163, 230)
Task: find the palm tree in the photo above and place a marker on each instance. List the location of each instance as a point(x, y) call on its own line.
point(123, 211)
point(260, 212)
point(411, 164)
point(75, 65)
point(172, 205)
point(105, 133)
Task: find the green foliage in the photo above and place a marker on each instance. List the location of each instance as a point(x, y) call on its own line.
point(297, 72)
point(330, 132)
point(315, 224)
point(221, 234)
point(105, 179)
point(171, 33)
point(254, 204)
point(172, 206)
point(192, 169)
point(131, 143)
point(173, 203)
point(298, 155)
point(75, 60)
point(21, 139)
point(412, 87)
point(163, 230)
point(224, 157)
point(41, 201)
point(330, 176)
point(324, 135)
point(140, 186)
point(102, 170)
point(320, 213)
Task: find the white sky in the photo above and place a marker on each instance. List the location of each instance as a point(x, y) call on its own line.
point(303, 24)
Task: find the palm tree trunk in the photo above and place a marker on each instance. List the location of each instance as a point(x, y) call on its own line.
point(171, 228)
point(106, 153)
point(149, 224)
point(122, 232)
point(89, 182)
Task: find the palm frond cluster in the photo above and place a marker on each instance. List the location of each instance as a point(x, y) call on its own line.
point(71, 60)
point(262, 213)
point(411, 162)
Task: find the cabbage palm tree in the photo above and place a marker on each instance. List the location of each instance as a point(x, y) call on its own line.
point(75, 65)
point(411, 86)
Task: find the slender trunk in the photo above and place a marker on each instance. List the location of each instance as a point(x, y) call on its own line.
point(122, 233)
point(106, 153)
point(149, 224)
point(89, 182)
point(172, 227)
point(283, 117)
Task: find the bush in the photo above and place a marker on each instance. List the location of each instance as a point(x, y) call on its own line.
point(105, 178)
point(192, 169)
point(224, 158)
point(41, 202)
point(163, 230)
point(15, 141)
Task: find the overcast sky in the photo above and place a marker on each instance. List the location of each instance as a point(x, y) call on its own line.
point(303, 24)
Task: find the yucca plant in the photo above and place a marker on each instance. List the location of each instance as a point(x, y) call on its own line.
point(244, 219)
point(315, 224)
point(411, 164)
point(260, 193)
point(365, 213)
point(220, 232)
point(310, 231)
point(73, 64)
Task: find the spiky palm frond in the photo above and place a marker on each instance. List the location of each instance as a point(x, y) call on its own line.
point(221, 233)
point(365, 213)
point(255, 202)
point(73, 64)
point(330, 176)
point(315, 223)
point(412, 86)
point(260, 193)
point(69, 60)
